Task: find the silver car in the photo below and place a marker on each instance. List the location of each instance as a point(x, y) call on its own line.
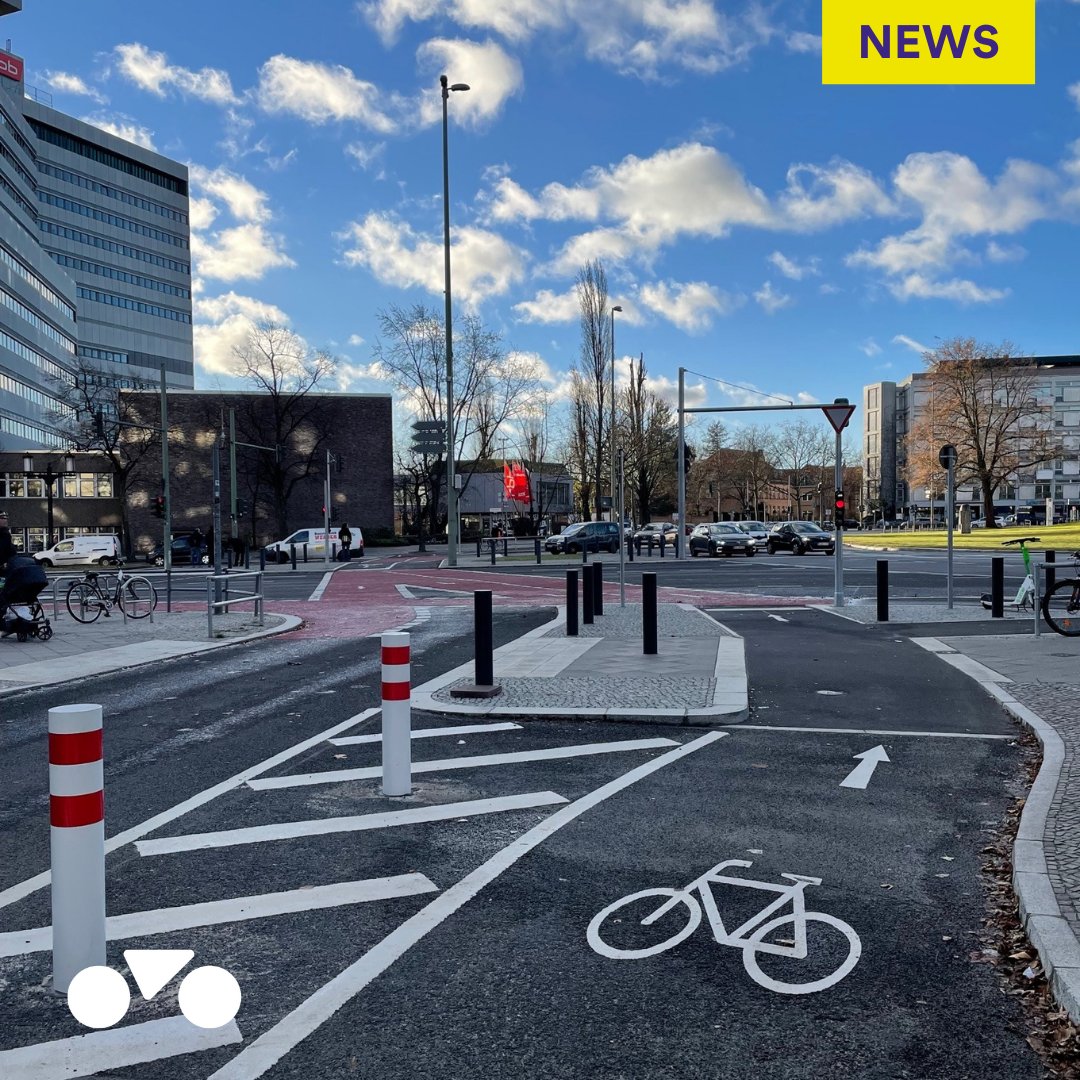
point(757, 530)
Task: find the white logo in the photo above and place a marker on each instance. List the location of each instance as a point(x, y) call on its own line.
point(98, 997)
point(750, 936)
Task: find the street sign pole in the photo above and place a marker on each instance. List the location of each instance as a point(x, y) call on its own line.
point(947, 457)
point(838, 414)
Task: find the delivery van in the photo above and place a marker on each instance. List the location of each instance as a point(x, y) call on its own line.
point(102, 549)
point(316, 539)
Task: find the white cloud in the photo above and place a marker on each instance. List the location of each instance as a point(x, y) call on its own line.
point(389, 16)
point(244, 200)
point(152, 71)
point(64, 83)
point(802, 42)
point(791, 269)
point(123, 127)
point(996, 252)
point(819, 197)
point(365, 154)
point(550, 307)
point(201, 213)
point(1074, 93)
point(223, 323)
point(319, 93)
point(238, 253)
point(691, 305)
point(484, 264)
point(920, 287)
point(870, 347)
point(910, 343)
point(770, 300)
point(490, 72)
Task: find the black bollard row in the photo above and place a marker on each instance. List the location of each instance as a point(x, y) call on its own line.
point(648, 614)
point(598, 588)
point(883, 590)
point(292, 555)
point(482, 636)
point(997, 587)
point(1049, 573)
point(587, 595)
point(536, 550)
point(571, 604)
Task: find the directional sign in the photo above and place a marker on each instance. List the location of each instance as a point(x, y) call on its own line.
point(430, 427)
point(947, 456)
point(838, 415)
point(429, 436)
point(426, 446)
point(868, 760)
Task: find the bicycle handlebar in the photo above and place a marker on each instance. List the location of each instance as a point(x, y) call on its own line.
point(1023, 540)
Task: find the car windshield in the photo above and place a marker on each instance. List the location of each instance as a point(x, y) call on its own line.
point(806, 527)
point(751, 526)
point(570, 530)
point(724, 529)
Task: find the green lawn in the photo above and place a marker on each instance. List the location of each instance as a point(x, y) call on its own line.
point(1059, 537)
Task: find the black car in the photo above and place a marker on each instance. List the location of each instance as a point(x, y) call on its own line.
point(799, 537)
point(721, 539)
point(181, 553)
point(590, 535)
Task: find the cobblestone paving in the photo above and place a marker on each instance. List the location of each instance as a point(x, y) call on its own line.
point(865, 611)
point(672, 620)
point(1057, 705)
point(646, 692)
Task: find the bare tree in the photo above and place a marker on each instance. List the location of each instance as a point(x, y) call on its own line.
point(983, 399)
point(278, 362)
point(796, 449)
point(594, 360)
point(751, 469)
point(651, 440)
point(581, 446)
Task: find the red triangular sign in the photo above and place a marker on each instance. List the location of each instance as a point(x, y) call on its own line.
point(838, 415)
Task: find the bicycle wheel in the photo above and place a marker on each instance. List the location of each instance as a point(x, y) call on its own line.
point(84, 602)
point(137, 598)
point(753, 968)
point(613, 952)
point(1061, 607)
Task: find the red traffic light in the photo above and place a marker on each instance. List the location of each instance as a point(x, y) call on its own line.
point(839, 506)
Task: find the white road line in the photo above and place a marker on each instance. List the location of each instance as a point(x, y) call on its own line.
point(867, 731)
point(554, 753)
point(321, 587)
point(24, 888)
point(117, 1048)
point(239, 909)
point(429, 733)
point(405, 591)
point(287, 830)
point(270, 1047)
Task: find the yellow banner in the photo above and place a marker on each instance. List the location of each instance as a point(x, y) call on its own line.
point(927, 41)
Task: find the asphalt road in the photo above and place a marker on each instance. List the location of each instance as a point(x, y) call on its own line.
point(492, 973)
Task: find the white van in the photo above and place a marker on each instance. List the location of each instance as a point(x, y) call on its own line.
point(103, 550)
point(315, 538)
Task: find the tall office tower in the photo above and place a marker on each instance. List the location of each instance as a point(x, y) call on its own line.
point(38, 332)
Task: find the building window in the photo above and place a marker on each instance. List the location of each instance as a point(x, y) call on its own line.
point(88, 486)
point(133, 305)
point(1042, 491)
point(115, 220)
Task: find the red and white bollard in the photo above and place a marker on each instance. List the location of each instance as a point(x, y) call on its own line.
point(396, 715)
point(77, 840)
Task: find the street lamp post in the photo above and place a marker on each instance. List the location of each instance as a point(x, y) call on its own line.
point(50, 476)
point(451, 491)
point(612, 489)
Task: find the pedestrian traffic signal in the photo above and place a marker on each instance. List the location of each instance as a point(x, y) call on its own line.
point(159, 506)
point(839, 507)
point(241, 508)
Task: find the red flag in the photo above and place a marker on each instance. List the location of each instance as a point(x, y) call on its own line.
point(521, 485)
point(508, 480)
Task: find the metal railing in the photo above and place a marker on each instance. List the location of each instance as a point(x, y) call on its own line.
point(220, 582)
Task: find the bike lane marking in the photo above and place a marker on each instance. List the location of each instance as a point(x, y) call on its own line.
point(321, 587)
point(870, 731)
point(270, 1047)
point(118, 1048)
point(429, 733)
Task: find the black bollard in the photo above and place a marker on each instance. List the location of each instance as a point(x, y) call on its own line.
point(478, 542)
point(305, 553)
point(292, 555)
point(997, 587)
point(485, 660)
point(630, 548)
point(648, 614)
point(587, 595)
point(536, 550)
point(571, 604)
point(598, 588)
point(1050, 574)
point(262, 559)
point(650, 545)
point(584, 551)
point(883, 590)
point(663, 544)
point(492, 543)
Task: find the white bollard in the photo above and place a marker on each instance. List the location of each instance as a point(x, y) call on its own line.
point(77, 840)
point(396, 716)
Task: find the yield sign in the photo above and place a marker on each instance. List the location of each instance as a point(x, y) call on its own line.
point(838, 415)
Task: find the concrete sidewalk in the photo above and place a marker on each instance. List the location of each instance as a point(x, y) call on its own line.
point(697, 677)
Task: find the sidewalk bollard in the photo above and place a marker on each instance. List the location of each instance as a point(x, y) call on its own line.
point(587, 594)
point(997, 587)
point(396, 718)
point(584, 552)
point(482, 639)
point(247, 559)
point(648, 614)
point(630, 548)
point(598, 588)
point(883, 590)
point(228, 558)
point(262, 560)
point(663, 544)
point(333, 552)
point(77, 840)
point(478, 547)
point(492, 543)
point(1050, 574)
point(292, 555)
point(536, 550)
point(305, 553)
point(505, 549)
point(571, 604)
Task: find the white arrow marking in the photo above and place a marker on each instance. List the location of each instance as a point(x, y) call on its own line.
point(153, 968)
point(779, 618)
point(859, 777)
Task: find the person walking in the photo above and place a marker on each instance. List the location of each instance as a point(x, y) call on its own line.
point(196, 546)
point(7, 545)
point(345, 537)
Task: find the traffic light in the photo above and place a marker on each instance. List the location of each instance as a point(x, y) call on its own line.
point(159, 506)
point(839, 507)
point(241, 508)
point(99, 424)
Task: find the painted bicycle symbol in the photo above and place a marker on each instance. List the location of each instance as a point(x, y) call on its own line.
point(753, 936)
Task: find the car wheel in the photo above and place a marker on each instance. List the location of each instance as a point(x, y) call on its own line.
point(104, 560)
point(749, 553)
point(613, 547)
point(693, 552)
point(572, 549)
point(159, 560)
point(360, 551)
point(712, 551)
point(770, 549)
point(282, 557)
point(47, 563)
point(798, 549)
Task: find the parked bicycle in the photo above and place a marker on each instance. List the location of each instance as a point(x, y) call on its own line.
point(1061, 605)
point(96, 594)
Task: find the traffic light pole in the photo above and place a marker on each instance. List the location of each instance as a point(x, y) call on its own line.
point(166, 526)
point(234, 517)
point(838, 524)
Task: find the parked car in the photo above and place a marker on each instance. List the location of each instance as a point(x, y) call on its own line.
point(980, 523)
point(587, 535)
point(316, 539)
point(100, 548)
point(721, 539)
point(757, 529)
point(180, 555)
point(654, 530)
point(799, 537)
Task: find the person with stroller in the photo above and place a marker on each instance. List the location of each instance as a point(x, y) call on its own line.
point(23, 581)
point(7, 545)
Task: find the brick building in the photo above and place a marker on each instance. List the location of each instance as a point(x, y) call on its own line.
point(279, 494)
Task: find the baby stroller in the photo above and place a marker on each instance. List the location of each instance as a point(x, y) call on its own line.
point(20, 612)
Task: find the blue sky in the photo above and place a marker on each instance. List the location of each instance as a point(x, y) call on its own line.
point(756, 226)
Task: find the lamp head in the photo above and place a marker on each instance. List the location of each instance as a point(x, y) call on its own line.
point(616, 308)
point(460, 86)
